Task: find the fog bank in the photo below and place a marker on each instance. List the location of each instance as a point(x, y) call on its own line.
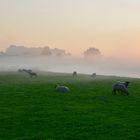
point(101, 65)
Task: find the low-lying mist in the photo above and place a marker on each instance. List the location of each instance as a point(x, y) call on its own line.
point(100, 66)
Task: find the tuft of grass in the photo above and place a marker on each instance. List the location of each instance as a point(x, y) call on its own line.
point(30, 108)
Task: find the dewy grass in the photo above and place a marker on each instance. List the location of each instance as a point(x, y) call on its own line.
point(30, 108)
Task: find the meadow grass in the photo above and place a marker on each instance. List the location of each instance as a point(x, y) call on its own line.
point(30, 108)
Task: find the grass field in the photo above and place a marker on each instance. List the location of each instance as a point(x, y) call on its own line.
point(30, 108)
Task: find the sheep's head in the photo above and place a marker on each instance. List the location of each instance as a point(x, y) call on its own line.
point(127, 83)
point(56, 85)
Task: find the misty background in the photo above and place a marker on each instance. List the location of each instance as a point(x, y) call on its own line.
point(86, 36)
point(59, 60)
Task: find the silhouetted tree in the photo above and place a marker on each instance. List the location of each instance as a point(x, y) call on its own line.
point(92, 52)
point(46, 51)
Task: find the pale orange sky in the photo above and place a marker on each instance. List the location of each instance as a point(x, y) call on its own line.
point(113, 26)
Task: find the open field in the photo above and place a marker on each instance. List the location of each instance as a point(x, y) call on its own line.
point(30, 108)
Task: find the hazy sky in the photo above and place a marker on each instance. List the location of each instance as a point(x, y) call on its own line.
point(113, 26)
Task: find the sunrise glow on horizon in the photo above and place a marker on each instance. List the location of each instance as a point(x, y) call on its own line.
point(74, 25)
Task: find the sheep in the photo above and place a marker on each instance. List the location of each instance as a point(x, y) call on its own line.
point(61, 88)
point(74, 74)
point(93, 75)
point(24, 70)
point(20, 70)
point(32, 74)
point(120, 87)
point(29, 70)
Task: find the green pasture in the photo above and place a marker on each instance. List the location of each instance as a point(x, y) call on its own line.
point(30, 108)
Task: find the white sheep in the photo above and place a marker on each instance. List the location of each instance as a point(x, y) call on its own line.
point(61, 88)
point(120, 87)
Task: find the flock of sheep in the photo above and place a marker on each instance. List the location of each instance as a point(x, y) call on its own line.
point(28, 71)
point(118, 87)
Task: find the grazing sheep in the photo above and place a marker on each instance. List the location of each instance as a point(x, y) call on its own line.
point(24, 70)
point(74, 74)
point(20, 70)
point(121, 87)
point(61, 88)
point(32, 74)
point(93, 75)
point(29, 70)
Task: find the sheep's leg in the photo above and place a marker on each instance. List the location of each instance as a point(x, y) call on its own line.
point(114, 92)
point(126, 93)
point(121, 92)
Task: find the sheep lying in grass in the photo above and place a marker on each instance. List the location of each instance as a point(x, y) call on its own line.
point(61, 88)
point(121, 87)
